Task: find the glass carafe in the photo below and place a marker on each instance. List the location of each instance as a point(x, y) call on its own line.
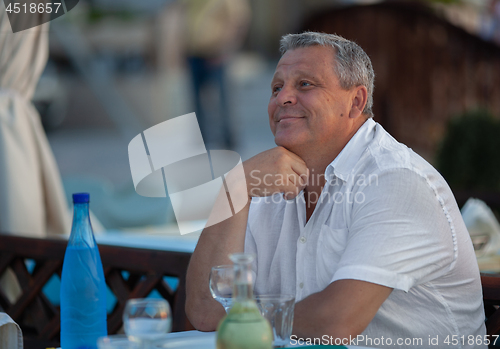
point(244, 327)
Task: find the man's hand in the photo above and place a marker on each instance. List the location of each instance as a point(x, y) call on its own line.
point(276, 170)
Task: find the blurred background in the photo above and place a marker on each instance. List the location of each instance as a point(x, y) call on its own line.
point(118, 67)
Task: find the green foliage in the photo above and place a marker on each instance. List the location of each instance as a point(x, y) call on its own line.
point(469, 157)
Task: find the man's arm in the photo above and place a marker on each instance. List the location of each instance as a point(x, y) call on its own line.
point(214, 246)
point(343, 309)
point(285, 173)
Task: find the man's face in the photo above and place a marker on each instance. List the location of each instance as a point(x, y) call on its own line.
point(308, 108)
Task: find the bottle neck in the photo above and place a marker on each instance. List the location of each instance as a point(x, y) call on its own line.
point(243, 288)
point(81, 230)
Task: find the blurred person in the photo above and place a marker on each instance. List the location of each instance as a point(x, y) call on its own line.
point(495, 11)
point(32, 200)
point(360, 229)
point(490, 22)
point(215, 29)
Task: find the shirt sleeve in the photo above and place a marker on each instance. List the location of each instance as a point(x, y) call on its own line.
point(400, 233)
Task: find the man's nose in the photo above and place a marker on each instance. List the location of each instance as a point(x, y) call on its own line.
point(287, 96)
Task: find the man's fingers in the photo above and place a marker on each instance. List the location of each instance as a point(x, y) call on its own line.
point(291, 194)
point(302, 173)
point(299, 167)
point(293, 187)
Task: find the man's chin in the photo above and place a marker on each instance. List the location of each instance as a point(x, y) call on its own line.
point(288, 145)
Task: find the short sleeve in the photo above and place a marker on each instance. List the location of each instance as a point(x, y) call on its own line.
point(400, 234)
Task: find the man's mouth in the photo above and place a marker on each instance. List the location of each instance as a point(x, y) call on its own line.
point(289, 118)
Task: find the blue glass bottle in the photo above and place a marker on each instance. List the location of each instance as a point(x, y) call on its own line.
point(83, 288)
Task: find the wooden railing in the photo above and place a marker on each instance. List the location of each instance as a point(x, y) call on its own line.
point(129, 273)
point(491, 299)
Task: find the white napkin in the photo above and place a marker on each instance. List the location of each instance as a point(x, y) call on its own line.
point(11, 336)
point(483, 227)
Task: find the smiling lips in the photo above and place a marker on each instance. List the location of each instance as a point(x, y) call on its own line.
point(289, 118)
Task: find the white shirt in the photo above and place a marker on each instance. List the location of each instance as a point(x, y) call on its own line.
point(385, 216)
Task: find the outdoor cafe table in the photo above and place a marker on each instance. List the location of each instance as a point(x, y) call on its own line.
point(165, 238)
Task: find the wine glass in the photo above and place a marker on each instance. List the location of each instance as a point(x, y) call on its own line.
point(147, 319)
point(221, 285)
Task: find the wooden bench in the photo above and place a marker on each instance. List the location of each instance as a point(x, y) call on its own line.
point(129, 273)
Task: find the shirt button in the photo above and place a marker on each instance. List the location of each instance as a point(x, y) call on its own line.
point(303, 239)
point(301, 285)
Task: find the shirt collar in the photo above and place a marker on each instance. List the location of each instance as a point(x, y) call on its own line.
point(343, 164)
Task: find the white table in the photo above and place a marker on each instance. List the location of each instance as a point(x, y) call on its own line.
point(150, 238)
point(203, 340)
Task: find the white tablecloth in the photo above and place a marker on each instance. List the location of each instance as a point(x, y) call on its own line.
point(203, 340)
point(146, 239)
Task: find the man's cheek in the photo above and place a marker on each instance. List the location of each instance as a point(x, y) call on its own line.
point(272, 125)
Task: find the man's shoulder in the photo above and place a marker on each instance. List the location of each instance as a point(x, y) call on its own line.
point(386, 154)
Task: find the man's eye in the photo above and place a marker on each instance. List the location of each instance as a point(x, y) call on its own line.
point(276, 89)
point(305, 83)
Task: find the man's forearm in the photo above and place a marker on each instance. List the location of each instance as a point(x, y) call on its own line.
point(343, 309)
point(215, 244)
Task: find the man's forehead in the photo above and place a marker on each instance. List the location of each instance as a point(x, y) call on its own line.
point(304, 60)
point(294, 71)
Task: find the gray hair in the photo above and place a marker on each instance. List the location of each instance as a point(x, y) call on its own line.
point(352, 65)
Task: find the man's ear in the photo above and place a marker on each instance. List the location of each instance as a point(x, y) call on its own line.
point(360, 97)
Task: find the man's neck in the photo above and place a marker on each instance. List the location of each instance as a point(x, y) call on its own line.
point(317, 161)
point(315, 184)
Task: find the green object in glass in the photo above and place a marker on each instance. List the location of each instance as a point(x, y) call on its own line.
point(244, 327)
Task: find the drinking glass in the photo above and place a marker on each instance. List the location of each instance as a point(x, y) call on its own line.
point(221, 285)
point(147, 319)
point(278, 310)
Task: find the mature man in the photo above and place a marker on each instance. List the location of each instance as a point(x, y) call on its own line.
point(363, 231)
